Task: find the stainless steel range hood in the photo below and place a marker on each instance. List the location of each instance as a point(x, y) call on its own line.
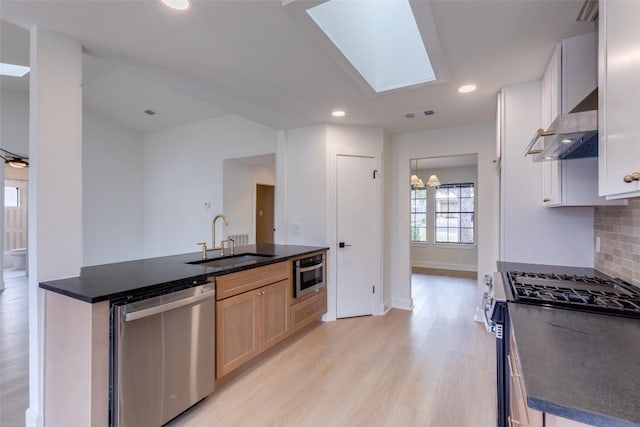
point(570, 136)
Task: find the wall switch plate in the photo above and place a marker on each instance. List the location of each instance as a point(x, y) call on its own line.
point(207, 205)
point(295, 228)
point(597, 243)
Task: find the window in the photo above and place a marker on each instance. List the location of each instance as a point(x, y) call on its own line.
point(454, 210)
point(419, 215)
point(11, 197)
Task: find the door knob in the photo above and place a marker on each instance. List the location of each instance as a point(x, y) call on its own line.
point(342, 245)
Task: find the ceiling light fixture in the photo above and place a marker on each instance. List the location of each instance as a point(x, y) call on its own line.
point(13, 70)
point(566, 140)
point(433, 181)
point(14, 160)
point(177, 4)
point(338, 113)
point(467, 88)
point(416, 182)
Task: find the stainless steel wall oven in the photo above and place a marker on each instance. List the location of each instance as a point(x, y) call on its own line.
point(309, 275)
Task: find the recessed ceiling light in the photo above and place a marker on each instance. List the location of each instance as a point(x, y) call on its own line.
point(338, 113)
point(13, 70)
point(548, 158)
point(466, 88)
point(566, 140)
point(177, 4)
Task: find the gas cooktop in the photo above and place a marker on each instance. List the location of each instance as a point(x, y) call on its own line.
point(586, 293)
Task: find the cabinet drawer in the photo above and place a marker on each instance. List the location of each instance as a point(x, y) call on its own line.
point(308, 310)
point(253, 278)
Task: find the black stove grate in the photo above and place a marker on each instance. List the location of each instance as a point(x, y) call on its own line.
point(586, 293)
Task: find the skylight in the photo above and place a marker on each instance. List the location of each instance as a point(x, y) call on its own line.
point(13, 70)
point(380, 38)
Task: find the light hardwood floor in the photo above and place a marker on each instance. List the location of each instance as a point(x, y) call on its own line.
point(14, 345)
point(433, 366)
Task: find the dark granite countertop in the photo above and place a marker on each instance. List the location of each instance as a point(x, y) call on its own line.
point(131, 278)
point(581, 366)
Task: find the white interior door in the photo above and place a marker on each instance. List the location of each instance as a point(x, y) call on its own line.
point(355, 234)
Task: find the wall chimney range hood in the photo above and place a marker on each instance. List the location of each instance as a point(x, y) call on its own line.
point(570, 136)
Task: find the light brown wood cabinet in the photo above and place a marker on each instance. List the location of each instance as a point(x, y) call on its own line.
point(308, 310)
point(254, 318)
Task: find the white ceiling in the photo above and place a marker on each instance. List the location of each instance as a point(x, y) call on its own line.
point(265, 61)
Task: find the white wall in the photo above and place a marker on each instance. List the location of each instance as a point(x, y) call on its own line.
point(474, 139)
point(239, 198)
point(531, 232)
point(14, 121)
point(306, 185)
point(112, 177)
point(183, 169)
point(446, 256)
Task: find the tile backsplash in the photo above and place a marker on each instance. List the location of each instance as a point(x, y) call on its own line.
point(619, 230)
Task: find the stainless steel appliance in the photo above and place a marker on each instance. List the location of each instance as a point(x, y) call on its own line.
point(595, 294)
point(163, 355)
point(308, 275)
point(497, 322)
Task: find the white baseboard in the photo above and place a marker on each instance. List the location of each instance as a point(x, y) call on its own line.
point(33, 418)
point(444, 266)
point(402, 303)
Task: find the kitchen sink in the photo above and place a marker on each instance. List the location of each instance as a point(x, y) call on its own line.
point(232, 260)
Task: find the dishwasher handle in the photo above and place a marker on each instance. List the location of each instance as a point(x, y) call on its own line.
point(135, 315)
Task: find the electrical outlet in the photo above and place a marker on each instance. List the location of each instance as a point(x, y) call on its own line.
point(295, 228)
point(207, 205)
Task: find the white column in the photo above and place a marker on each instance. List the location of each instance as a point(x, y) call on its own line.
point(55, 178)
point(2, 233)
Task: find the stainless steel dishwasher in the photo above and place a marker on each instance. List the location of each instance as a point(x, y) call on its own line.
point(163, 358)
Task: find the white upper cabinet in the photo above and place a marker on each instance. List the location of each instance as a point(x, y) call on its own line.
point(569, 77)
point(619, 98)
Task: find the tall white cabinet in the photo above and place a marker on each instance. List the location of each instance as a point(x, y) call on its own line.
point(619, 98)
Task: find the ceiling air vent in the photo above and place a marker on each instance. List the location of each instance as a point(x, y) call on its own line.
point(415, 114)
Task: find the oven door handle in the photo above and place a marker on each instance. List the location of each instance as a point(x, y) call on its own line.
point(313, 267)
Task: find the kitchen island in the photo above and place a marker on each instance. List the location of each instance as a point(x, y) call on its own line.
point(78, 313)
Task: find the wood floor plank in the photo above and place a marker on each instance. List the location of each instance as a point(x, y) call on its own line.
point(14, 346)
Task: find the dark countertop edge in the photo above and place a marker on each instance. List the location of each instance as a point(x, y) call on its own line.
point(577, 414)
point(51, 286)
point(158, 287)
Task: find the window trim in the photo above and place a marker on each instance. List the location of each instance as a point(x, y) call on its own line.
point(426, 216)
point(460, 245)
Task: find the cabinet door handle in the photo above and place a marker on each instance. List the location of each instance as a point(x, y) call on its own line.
point(632, 177)
point(546, 200)
point(513, 422)
point(513, 372)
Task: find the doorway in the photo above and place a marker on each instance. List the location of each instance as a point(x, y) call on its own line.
point(355, 234)
point(15, 226)
point(444, 217)
point(265, 203)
